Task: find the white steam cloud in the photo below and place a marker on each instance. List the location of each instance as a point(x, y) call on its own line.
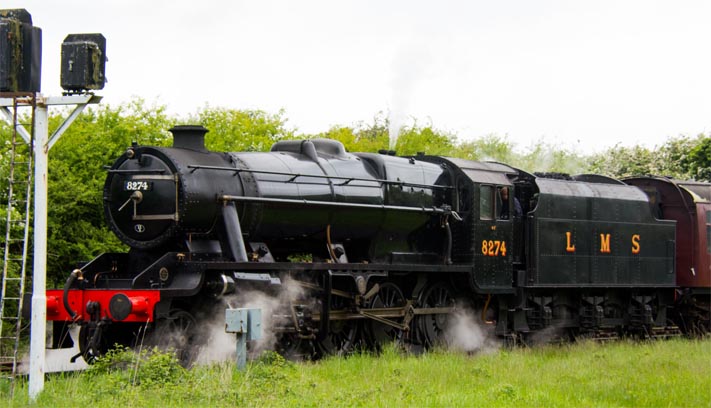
point(221, 346)
point(467, 333)
point(409, 67)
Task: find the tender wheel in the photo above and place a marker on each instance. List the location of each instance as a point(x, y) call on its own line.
point(390, 295)
point(432, 327)
point(178, 332)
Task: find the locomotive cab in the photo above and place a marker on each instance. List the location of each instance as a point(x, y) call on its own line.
point(485, 238)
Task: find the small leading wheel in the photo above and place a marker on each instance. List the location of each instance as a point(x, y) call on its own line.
point(92, 342)
point(178, 332)
point(432, 327)
point(294, 348)
point(389, 296)
point(96, 338)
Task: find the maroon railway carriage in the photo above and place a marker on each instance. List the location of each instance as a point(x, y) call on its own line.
point(689, 204)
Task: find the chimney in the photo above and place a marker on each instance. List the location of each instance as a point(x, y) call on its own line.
point(189, 137)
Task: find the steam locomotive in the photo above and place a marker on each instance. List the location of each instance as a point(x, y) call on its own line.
point(383, 247)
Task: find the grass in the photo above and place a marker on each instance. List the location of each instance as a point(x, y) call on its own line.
point(674, 373)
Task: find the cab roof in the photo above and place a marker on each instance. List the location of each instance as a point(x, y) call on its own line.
point(480, 172)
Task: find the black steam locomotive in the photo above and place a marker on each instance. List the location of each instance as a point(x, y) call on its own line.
point(383, 247)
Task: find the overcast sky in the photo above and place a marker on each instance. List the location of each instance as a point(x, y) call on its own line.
point(586, 75)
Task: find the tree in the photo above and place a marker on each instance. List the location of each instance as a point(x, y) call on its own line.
point(362, 137)
point(233, 130)
point(413, 140)
point(544, 157)
point(76, 227)
point(673, 158)
point(540, 156)
point(679, 157)
point(700, 159)
point(620, 162)
point(488, 148)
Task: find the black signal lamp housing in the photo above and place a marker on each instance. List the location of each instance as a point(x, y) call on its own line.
point(83, 63)
point(20, 52)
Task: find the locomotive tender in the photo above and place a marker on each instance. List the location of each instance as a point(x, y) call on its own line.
point(383, 247)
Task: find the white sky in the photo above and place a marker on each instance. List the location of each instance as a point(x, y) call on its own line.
point(585, 75)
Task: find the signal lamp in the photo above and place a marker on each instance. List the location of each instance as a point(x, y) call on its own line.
point(20, 52)
point(83, 62)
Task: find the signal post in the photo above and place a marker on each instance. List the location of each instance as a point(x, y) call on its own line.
point(83, 66)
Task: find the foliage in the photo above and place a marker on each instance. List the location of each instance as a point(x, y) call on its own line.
point(700, 159)
point(147, 368)
point(270, 374)
point(77, 230)
point(540, 156)
point(681, 158)
point(621, 161)
point(488, 148)
point(624, 373)
point(673, 158)
point(246, 130)
point(543, 157)
point(362, 137)
point(413, 139)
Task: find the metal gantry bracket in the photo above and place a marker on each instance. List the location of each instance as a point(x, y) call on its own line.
point(81, 102)
point(9, 118)
point(247, 325)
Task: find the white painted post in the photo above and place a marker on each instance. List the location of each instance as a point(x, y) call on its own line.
point(38, 328)
point(42, 144)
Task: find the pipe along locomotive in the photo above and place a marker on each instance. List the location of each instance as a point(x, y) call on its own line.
point(384, 247)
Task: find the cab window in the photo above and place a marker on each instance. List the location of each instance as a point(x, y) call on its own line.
point(464, 195)
point(503, 206)
point(486, 202)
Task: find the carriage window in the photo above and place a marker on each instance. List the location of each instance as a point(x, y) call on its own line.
point(708, 232)
point(486, 203)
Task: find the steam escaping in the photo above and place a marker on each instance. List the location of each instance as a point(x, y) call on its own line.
point(466, 333)
point(221, 346)
point(409, 67)
point(23, 364)
point(58, 360)
point(550, 334)
point(396, 121)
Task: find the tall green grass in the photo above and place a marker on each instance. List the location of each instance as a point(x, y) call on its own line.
point(674, 373)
